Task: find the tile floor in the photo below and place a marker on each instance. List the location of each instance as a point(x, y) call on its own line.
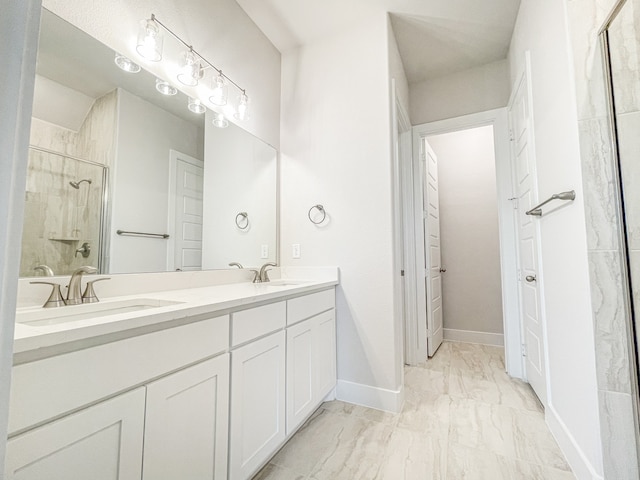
point(463, 418)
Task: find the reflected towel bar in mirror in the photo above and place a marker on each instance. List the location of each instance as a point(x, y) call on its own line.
point(143, 234)
point(537, 210)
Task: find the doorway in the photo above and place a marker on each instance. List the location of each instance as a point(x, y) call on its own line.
point(497, 122)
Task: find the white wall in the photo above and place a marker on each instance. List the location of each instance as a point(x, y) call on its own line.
point(573, 404)
point(140, 189)
point(336, 151)
point(470, 91)
point(240, 174)
point(220, 30)
point(471, 286)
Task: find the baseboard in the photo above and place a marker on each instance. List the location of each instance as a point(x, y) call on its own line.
point(372, 397)
point(581, 466)
point(469, 336)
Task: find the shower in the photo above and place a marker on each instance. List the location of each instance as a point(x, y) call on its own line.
point(76, 185)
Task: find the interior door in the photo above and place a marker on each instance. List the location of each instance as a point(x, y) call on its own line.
point(528, 269)
point(433, 266)
point(188, 213)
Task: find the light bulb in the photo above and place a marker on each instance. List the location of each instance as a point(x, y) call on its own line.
point(243, 107)
point(220, 121)
point(165, 87)
point(126, 64)
point(219, 95)
point(191, 71)
point(149, 41)
point(196, 106)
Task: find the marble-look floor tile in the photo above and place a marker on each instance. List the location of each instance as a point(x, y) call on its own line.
point(427, 381)
point(371, 414)
point(424, 412)
point(274, 472)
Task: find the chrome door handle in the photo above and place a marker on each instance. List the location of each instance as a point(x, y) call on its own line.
point(530, 278)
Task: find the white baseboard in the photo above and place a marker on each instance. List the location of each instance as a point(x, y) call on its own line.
point(469, 336)
point(372, 397)
point(581, 466)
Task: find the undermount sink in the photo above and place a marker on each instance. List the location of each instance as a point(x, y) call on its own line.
point(282, 283)
point(72, 313)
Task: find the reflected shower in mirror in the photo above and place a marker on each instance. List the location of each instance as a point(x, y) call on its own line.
point(117, 151)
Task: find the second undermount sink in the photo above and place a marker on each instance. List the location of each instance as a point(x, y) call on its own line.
point(55, 316)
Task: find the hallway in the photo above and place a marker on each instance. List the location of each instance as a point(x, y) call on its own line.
point(463, 418)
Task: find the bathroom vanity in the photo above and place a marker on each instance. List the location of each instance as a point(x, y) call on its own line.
point(199, 383)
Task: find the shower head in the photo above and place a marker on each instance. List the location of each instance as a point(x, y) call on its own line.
point(76, 185)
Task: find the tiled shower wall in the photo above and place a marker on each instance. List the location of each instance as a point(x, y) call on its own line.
point(59, 218)
point(618, 429)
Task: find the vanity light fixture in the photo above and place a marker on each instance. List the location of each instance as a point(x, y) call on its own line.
point(220, 121)
point(196, 106)
point(149, 43)
point(243, 107)
point(126, 64)
point(192, 70)
point(219, 96)
point(165, 88)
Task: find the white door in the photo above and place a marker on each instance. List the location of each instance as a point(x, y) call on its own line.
point(186, 217)
point(186, 423)
point(257, 423)
point(102, 442)
point(433, 267)
point(528, 271)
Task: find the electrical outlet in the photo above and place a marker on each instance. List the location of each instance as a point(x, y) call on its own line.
point(295, 250)
point(264, 251)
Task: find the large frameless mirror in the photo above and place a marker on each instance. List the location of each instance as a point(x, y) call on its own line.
point(127, 179)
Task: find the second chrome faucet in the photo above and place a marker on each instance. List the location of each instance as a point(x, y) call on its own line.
point(263, 275)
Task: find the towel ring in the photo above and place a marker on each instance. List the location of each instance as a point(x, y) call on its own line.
point(242, 220)
point(321, 209)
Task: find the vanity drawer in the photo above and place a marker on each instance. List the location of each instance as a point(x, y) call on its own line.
point(256, 322)
point(48, 388)
point(301, 308)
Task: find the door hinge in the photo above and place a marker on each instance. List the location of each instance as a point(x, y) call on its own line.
point(515, 202)
point(402, 273)
point(524, 350)
point(510, 135)
point(519, 275)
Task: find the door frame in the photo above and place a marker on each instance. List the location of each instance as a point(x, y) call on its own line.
point(497, 118)
point(175, 157)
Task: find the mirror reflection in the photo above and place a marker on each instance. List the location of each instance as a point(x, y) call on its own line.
point(117, 171)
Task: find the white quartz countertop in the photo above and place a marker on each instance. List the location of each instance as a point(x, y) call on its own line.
point(174, 305)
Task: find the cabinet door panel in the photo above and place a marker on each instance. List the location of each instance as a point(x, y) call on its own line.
point(102, 442)
point(325, 343)
point(257, 404)
point(186, 423)
point(301, 366)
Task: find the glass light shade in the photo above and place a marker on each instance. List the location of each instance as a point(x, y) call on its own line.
point(242, 113)
point(219, 95)
point(149, 41)
point(191, 71)
point(220, 121)
point(196, 106)
point(165, 87)
point(126, 64)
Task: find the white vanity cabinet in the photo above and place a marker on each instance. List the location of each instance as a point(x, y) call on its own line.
point(102, 442)
point(257, 424)
point(186, 423)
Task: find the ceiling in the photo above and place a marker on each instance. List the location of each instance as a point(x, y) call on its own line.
point(435, 37)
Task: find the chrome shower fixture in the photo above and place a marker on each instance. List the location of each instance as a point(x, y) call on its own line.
point(76, 185)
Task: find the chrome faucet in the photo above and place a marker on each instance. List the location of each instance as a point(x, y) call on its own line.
point(236, 264)
point(74, 291)
point(263, 275)
point(46, 270)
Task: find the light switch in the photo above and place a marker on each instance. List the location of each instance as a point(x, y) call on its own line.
point(295, 250)
point(264, 252)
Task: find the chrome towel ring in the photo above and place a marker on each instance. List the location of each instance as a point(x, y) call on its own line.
point(320, 209)
point(242, 220)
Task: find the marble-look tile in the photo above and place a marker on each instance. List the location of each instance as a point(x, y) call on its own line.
point(607, 300)
point(424, 380)
point(473, 464)
point(599, 189)
point(624, 42)
point(629, 146)
point(424, 412)
point(618, 436)
point(274, 472)
point(505, 431)
point(336, 406)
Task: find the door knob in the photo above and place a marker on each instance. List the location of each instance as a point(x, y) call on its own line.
point(442, 270)
point(530, 278)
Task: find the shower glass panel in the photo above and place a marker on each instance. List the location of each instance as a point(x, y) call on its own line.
point(64, 213)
